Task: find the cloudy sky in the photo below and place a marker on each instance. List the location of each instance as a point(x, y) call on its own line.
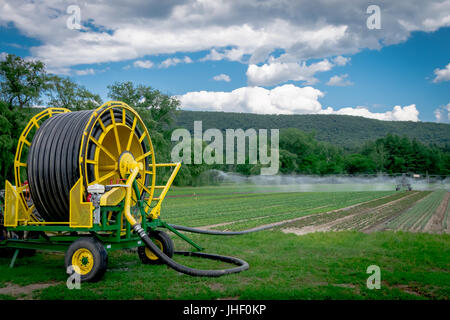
point(290, 57)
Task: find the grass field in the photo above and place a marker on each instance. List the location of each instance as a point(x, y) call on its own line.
point(294, 260)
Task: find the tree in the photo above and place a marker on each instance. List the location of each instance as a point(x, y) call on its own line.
point(158, 107)
point(157, 110)
point(288, 161)
point(357, 163)
point(65, 93)
point(297, 141)
point(6, 143)
point(12, 123)
point(22, 81)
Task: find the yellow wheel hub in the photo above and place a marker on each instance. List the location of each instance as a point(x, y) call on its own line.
point(149, 252)
point(84, 260)
point(126, 162)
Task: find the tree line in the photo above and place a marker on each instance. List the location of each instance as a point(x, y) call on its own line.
point(26, 83)
point(348, 132)
point(301, 153)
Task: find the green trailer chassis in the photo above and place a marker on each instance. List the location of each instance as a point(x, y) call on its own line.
point(112, 236)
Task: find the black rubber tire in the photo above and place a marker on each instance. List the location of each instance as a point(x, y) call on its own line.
point(97, 250)
point(167, 247)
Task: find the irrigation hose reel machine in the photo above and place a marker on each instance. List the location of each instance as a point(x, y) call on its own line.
point(85, 184)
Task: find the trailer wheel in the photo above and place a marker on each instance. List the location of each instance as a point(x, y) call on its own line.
point(164, 243)
point(88, 258)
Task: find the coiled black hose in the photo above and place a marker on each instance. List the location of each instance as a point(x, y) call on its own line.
point(53, 163)
point(241, 264)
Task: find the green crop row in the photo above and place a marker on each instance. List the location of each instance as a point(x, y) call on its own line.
point(321, 219)
point(418, 216)
point(262, 207)
point(375, 217)
point(445, 223)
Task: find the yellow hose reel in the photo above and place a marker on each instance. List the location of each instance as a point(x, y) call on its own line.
point(61, 153)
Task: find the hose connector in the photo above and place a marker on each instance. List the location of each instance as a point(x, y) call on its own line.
point(139, 230)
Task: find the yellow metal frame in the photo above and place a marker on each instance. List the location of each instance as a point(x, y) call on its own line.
point(23, 213)
point(156, 211)
point(80, 212)
point(112, 197)
point(23, 139)
point(16, 209)
point(87, 138)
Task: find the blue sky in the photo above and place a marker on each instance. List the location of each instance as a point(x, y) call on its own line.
point(266, 61)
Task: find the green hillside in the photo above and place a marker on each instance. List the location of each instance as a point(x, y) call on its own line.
point(347, 131)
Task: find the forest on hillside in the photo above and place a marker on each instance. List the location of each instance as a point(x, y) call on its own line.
point(348, 132)
point(308, 144)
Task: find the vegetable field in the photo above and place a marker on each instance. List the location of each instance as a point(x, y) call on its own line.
point(209, 209)
point(429, 215)
point(319, 247)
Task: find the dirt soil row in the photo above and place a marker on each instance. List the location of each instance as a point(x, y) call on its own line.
point(365, 217)
point(283, 222)
point(437, 222)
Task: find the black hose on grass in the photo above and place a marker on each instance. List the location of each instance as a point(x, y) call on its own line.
point(219, 233)
point(241, 264)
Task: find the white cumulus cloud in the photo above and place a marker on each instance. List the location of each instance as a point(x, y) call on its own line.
point(276, 72)
point(340, 81)
point(85, 72)
point(122, 30)
point(282, 69)
point(233, 54)
point(170, 62)
point(440, 113)
point(222, 77)
point(398, 113)
point(442, 74)
point(341, 61)
point(285, 99)
point(145, 64)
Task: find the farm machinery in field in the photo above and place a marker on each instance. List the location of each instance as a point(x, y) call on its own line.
point(85, 184)
point(403, 183)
